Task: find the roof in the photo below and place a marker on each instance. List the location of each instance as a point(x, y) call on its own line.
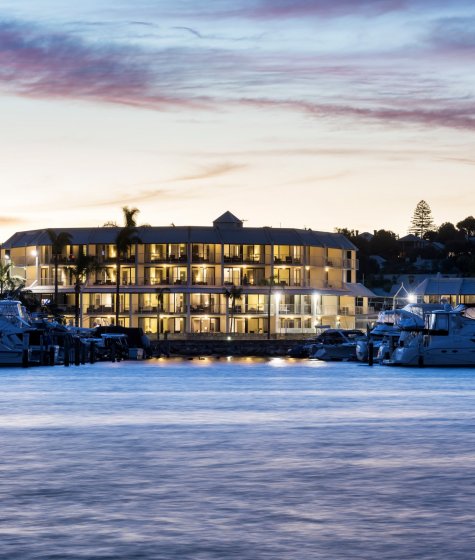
point(446, 286)
point(227, 220)
point(189, 234)
point(358, 290)
point(410, 238)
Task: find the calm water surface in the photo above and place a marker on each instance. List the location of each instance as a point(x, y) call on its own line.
point(203, 459)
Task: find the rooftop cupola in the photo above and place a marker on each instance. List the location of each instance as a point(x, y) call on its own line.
point(227, 221)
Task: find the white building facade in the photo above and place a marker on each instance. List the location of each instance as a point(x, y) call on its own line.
point(182, 280)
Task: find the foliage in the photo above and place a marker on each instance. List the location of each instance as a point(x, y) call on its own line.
point(9, 285)
point(467, 226)
point(127, 236)
point(58, 242)
point(422, 221)
point(448, 232)
point(83, 267)
point(384, 243)
point(234, 294)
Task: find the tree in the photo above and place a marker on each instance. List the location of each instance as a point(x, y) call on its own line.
point(384, 243)
point(448, 232)
point(58, 242)
point(160, 293)
point(271, 283)
point(126, 236)
point(83, 267)
point(9, 284)
point(234, 294)
point(467, 226)
point(422, 221)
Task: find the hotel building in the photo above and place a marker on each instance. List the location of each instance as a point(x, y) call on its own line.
point(292, 280)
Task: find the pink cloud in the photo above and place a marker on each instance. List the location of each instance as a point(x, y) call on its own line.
point(461, 117)
point(37, 64)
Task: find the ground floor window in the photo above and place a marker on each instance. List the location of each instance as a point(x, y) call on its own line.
point(205, 324)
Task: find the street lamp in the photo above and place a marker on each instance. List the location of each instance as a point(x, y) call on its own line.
point(160, 292)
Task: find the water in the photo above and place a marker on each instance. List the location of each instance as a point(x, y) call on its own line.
point(203, 459)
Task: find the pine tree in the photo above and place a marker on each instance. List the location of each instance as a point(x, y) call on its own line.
point(422, 221)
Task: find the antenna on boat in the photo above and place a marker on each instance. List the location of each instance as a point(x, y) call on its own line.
point(401, 288)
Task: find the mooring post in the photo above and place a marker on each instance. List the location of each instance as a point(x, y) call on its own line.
point(66, 350)
point(51, 360)
point(370, 353)
point(92, 352)
point(77, 351)
point(25, 356)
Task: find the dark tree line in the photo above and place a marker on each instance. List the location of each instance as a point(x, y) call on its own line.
point(448, 248)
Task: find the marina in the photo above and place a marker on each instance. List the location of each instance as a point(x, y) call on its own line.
point(249, 459)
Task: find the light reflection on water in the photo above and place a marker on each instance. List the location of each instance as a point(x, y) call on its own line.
point(237, 459)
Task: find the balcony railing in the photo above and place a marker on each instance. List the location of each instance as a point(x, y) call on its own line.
point(152, 310)
point(288, 260)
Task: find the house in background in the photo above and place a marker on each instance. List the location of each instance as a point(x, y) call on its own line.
point(454, 290)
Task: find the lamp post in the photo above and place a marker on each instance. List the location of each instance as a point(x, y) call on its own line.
point(159, 292)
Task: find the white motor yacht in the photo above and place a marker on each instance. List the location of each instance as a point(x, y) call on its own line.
point(385, 334)
point(448, 339)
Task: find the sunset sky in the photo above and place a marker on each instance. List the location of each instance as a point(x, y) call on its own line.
point(292, 113)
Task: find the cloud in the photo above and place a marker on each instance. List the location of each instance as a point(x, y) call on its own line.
point(9, 220)
point(453, 34)
point(36, 62)
point(321, 8)
point(189, 30)
point(125, 197)
point(210, 172)
point(55, 65)
point(275, 9)
point(458, 116)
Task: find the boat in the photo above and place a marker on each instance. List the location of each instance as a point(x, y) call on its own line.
point(336, 345)
point(301, 350)
point(15, 330)
point(384, 336)
point(447, 339)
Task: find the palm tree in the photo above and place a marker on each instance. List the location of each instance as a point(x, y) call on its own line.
point(9, 284)
point(271, 283)
point(126, 236)
point(58, 243)
point(84, 266)
point(234, 294)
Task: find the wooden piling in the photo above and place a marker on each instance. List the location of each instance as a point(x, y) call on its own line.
point(67, 351)
point(25, 356)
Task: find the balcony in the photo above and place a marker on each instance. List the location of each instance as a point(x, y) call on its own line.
point(155, 258)
point(152, 310)
point(106, 309)
point(206, 309)
point(288, 260)
point(236, 259)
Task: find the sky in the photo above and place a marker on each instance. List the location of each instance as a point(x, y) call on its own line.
point(288, 113)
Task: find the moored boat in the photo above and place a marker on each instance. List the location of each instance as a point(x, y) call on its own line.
point(15, 329)
point(384, 336)
point(448, 339)
point(336, 345)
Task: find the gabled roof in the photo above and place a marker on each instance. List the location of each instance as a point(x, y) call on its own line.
point(446, 287)
point(227, 219)
point(410, 238)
